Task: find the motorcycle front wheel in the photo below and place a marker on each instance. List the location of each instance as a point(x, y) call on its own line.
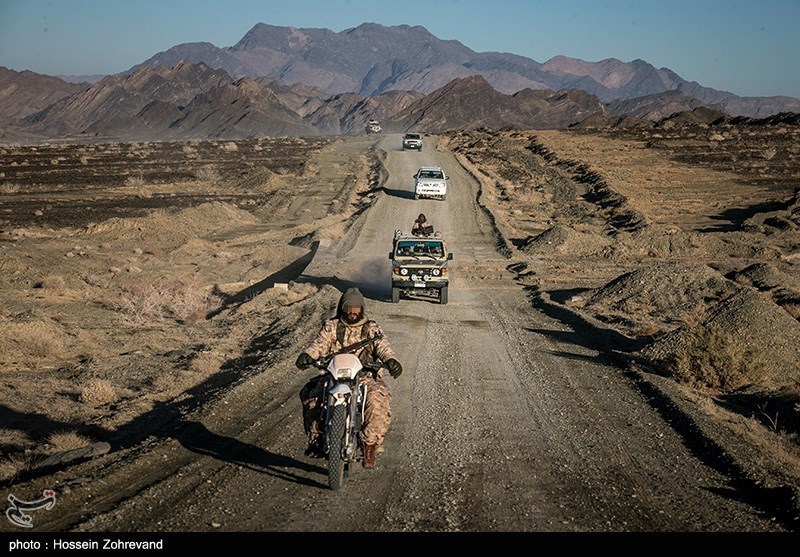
point(336, 447)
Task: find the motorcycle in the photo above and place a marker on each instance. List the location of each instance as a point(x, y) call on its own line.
point(344, 399)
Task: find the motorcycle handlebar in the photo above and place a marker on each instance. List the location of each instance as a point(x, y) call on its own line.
point(369, 367)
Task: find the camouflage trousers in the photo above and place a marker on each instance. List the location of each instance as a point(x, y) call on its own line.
point(377, 411)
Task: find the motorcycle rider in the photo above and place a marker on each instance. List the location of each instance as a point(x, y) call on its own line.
point(349, 326)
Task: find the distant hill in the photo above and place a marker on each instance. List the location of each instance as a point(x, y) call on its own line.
point(194, 101)
point(372, 59)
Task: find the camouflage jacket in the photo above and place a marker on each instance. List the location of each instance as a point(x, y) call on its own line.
point(336, 334)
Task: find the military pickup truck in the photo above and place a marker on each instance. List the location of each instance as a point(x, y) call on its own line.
point(419, 266)
point(373, 126)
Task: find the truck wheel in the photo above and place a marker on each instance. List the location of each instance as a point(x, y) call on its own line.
point(443, 295)
point(395, 294)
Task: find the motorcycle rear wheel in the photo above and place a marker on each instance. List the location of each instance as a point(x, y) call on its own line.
point(336, 447)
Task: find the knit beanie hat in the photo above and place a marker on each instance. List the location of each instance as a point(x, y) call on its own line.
point(352, 297)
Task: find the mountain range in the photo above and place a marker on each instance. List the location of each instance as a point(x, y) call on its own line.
point(284, 81)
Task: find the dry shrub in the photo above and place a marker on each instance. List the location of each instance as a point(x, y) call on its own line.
point(793, 308)
point(156, 300)
point(134, 181)
point(10, 187)
point(98, 392)
point(695, 317)
point(66, 441)
point(229, 147)
point(10, 467)
point(769, 153)
point(31, 340)
point(53, 282)
point(714, 360)
point(207, 174)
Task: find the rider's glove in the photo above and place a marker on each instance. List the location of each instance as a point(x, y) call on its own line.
point(304, 361)
point(394, 368)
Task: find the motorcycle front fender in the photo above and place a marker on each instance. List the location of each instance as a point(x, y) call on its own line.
point(339, 394)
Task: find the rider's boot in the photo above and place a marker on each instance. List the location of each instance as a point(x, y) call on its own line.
point(369, 455)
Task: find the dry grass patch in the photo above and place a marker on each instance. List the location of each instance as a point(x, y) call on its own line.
point(55, 283)
point(146, 301)
point(10, 467)
point(135, 181)
point(30, 342)
point(713, 360)
point(97, 392)
point(10, 187)
point(207, 174)
point(207, 362)
point(62, 441)
point(793, 308)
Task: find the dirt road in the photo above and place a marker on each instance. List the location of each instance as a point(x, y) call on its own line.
point(505, 418)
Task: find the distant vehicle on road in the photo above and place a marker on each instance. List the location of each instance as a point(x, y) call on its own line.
point(373, 126)
point(430, 181)
point(412, 141)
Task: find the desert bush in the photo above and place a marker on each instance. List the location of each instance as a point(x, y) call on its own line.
point(53, 282)
point(190, 299)
point(693, 318)
point(10, 467)
point(31, 340)
point(714, 360)
point(135, 181)
point(229, 147)
point(207, 174)
point(66, 441)
point(97, 392)
point(157, 300)
point(10, 187)
point(769, 153)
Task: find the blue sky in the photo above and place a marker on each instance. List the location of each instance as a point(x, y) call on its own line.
point(746, 47)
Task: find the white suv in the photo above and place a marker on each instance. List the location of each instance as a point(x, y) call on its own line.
point(412, 141)
point(430, 181)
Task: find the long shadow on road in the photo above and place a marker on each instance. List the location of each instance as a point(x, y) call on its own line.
point(197, 438)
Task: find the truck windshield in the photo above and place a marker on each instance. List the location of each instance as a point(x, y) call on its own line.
point(435, 174)
point(435, 249)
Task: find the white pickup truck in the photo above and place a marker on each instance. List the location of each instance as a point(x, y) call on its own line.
point(430, 181)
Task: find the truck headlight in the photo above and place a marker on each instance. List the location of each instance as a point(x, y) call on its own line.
point(404, 272)
point(435, 272)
